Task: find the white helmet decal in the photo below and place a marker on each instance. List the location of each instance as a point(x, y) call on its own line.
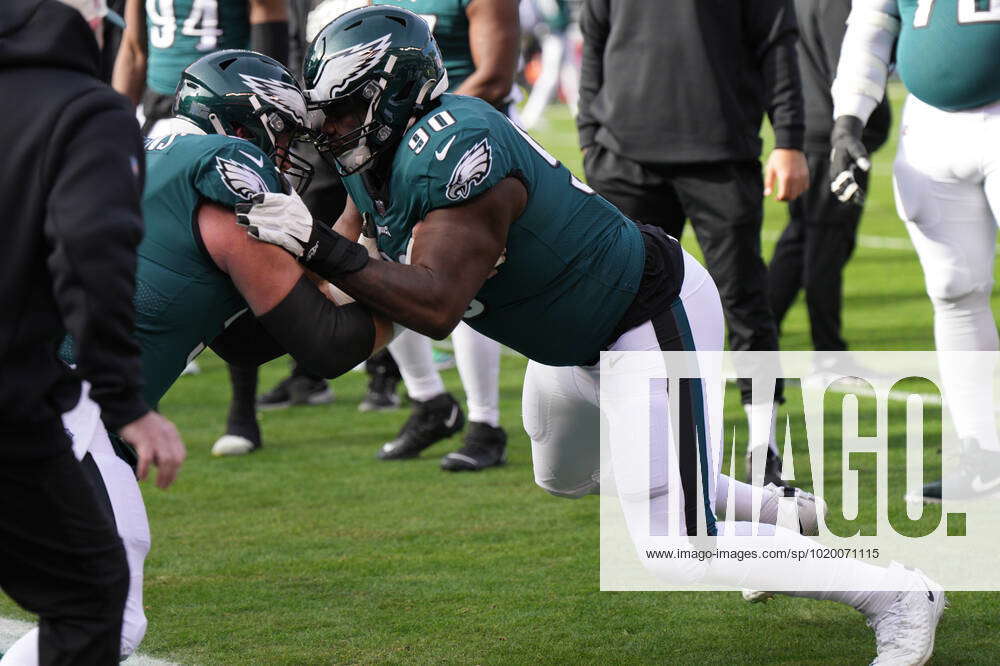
point(341, 68)
point(283, 95)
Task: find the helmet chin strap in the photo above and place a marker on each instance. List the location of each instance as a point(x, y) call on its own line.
point(265, 120)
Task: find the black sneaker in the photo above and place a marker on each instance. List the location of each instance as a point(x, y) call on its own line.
point(381, 395)
point(772, 467)
point(977, 477)
point(485, 446)
point(430, 422)
point(296, 390)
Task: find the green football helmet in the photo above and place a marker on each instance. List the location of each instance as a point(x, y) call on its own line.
point(377, 67)
point(251, 96)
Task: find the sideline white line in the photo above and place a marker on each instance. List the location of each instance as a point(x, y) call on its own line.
point(901, 243)
point(11, 630)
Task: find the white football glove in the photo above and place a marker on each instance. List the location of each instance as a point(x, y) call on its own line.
point(279, 219)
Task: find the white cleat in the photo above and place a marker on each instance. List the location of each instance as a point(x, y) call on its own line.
point(233, 445)
point(904, 632)
point(755, 597)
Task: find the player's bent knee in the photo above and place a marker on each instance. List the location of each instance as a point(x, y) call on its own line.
point(952, 289)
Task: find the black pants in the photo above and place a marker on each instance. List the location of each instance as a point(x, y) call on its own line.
point(61, 557)
point(724, 201)
point(812, 252)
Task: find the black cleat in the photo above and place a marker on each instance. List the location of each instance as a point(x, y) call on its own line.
point(296, 390)
point(429, 422)
point(485, 446)
point(977, 477)
point(772, 467)
point(381, 395)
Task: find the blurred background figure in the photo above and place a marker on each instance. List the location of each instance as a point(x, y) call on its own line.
point(817, 243)
point(162, 37)
point(672, 132)
point(551, 23)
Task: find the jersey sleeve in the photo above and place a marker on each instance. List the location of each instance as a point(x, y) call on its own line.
point(235, 171)
point(459, 168)
point(865, 55)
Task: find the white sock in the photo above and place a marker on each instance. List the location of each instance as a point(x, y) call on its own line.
point(762, 418)
point(478, 361)
point(413, 354)
point(966, 324)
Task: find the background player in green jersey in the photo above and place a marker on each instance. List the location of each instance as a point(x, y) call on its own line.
point(162, 37)
point(947, 186)
point(202, 281)
point(477, 222)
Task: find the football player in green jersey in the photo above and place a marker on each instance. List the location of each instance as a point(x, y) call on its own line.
point(202, 281)
point(947, 186)
point(479, 42)
point(162, 37)
point(476, 221)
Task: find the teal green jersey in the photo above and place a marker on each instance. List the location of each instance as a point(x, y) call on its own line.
point(948, 53)
point(555, 13)
point(182, 299)
point(181, 31)
point(450, 26)
point(572, 263)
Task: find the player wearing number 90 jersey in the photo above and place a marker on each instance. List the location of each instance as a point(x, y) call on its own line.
point(947, 183)
point(570, 249)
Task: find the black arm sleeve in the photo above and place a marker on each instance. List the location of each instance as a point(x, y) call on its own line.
point(93, 241)
point(246, 343)
point(271, 39)
point(594, 26)
point(772, 32)
point(328, 339)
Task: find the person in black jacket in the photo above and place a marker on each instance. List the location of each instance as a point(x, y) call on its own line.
point(69, 188)
point(821, 231)
point(672, 95)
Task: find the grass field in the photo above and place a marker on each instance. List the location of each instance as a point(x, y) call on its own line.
point(313, 552)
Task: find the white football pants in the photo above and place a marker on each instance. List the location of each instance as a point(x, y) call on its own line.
point(947, 185)
point(562, 417)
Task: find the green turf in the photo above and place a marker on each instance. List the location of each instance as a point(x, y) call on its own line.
point(313, 552)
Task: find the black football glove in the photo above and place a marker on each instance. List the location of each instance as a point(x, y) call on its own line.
point(848, 153)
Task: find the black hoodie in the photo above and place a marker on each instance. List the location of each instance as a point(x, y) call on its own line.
point(70, 184)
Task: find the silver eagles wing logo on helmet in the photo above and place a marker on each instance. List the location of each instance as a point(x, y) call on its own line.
point(241, 180)
point(344, 67)
point(283, 95)
point(472, 169)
